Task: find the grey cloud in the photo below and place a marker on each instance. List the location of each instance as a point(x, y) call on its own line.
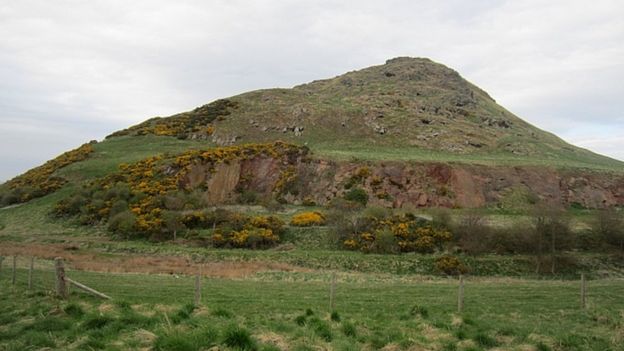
point(83, 69)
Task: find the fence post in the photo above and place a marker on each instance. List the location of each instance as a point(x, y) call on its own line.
point(61, 286)
point(1, 259)
point(583, 291)
point(198, 287)
point(460, 295)
point(14, 269)
point(332, 292)
point(30, 272)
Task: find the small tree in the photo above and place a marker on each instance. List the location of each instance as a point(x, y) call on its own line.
point(609, 226)
point(173, 223)
point(552, 230)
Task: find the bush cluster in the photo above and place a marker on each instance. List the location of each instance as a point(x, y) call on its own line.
point(396, 233)
point(308, 219)
point(450, 265)
point(41, 180)
point(144, 199)
point(198, 122)
point(256, 232)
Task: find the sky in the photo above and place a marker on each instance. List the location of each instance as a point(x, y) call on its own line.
point(74, 71)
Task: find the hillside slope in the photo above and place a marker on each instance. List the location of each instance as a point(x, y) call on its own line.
point(408, 106)
point(419, 114)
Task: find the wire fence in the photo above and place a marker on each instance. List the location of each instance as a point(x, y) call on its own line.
point(42, 275)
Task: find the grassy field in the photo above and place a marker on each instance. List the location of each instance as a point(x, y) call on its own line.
point(289, 311)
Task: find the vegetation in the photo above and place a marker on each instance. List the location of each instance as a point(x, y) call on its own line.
point(41, 180)
point(134, 200)
point(307, 219)
point(269, 313)
point(197, 123)
point(137, 202)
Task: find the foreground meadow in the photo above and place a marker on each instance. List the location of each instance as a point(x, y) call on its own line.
point(290, 311)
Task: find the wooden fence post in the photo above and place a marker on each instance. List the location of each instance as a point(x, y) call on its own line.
point(14, 269)
point(460, 295)
point(332, 292)
point(61, 286)
point(30, 272)
point(583, 291)
point(198, 287)
point(1, 259)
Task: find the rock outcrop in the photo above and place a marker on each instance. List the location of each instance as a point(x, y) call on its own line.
point(401, 184)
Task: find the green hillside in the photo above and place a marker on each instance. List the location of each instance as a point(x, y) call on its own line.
point(406, 109)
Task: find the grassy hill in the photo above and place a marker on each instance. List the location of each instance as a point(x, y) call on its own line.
point(406, 109)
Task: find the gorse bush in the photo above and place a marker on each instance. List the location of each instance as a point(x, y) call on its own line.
point(249, 232)
point(41, 180)
point(450, 265)
point(157, 186)
point(397, 233)
point(196, 123)
point(307, 219)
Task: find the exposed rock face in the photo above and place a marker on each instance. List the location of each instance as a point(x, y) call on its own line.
point(223, 182)
point(401, 184)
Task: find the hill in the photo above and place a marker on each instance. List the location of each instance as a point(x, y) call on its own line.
point(407, 108)
point(409, 132)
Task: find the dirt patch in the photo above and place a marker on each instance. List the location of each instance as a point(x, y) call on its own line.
point(274, 339)
point(133, 263)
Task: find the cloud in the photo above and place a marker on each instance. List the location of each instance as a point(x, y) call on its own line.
point(78, 70)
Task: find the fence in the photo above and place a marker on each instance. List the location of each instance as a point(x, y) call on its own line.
point(51, 275)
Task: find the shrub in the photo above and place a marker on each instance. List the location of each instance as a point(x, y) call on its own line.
point(386, 242)
point(254, 238)
point(273, 223)
point(307, 219)
point(357, 195)
point(450, 265)
point(248, 197)
point(609, 226)
point(41, 181)
point(404, 233)
point(123, 223)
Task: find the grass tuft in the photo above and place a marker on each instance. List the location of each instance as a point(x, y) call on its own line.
point(74, 310)
point(239, 338)
point(219, 312)
point(321, 329)
point(349, 329)
point(335, 316)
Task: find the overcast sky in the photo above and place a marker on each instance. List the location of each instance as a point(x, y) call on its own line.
point(72, 71)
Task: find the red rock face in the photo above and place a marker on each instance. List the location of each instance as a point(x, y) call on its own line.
point(405, 184)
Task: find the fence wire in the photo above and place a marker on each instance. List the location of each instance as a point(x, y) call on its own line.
point(167, 289)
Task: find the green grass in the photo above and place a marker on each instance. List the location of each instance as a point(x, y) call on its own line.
point(366, 152)
point(264, 313)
